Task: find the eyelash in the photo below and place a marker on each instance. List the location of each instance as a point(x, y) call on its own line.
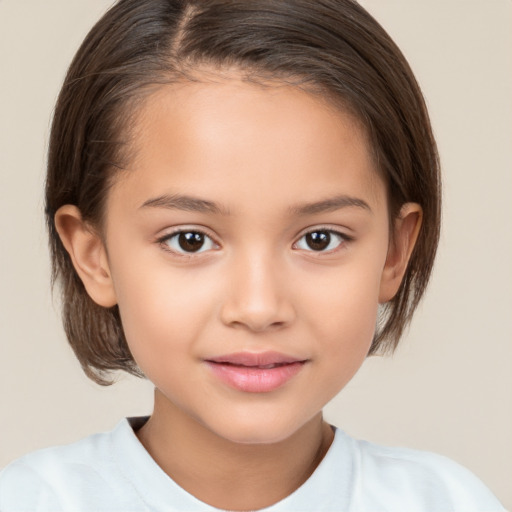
point(164, 241)
point(343, 239)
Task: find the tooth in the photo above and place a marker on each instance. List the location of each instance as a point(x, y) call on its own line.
point(267, 366)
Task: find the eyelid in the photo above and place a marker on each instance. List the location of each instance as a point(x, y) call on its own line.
point(329, 229)
point(162, 239)
point(339, 230)
point(171, 232)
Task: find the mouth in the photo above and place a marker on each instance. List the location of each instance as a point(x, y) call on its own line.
point(255, 372)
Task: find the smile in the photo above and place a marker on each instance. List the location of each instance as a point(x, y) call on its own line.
point(255, 373)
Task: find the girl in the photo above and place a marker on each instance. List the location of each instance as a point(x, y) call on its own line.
point(243, 203)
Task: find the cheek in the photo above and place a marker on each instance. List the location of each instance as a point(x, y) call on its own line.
point(163, 310)
point(346, 299)
point(342, 315)
point(347, 332)
point(344, 338)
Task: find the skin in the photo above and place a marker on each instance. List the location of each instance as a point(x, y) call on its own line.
point(260, 154)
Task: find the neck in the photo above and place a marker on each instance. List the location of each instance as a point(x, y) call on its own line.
point(226, 474)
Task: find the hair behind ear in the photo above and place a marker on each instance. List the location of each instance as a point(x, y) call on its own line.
point(90, 314)
point(399, 301)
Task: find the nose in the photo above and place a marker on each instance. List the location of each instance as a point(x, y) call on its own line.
point(258, 297)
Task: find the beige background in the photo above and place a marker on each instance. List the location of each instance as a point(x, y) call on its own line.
point(449, 387)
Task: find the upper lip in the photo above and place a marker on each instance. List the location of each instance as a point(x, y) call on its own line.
point(255, 359)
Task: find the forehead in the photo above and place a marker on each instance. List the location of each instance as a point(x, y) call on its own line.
point(229, 138)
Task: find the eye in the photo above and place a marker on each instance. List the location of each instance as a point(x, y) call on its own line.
point(321, 240)
point(188, 242)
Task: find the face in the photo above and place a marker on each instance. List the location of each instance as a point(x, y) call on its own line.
point(247, 245)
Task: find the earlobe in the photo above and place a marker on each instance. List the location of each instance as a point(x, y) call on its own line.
point(87, 253)
point(405, 233)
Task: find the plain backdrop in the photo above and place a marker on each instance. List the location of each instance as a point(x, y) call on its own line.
point(448, 388)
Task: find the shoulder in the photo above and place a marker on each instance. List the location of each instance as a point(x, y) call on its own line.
point(23, 486)
point(418, 480)
point(60, 477)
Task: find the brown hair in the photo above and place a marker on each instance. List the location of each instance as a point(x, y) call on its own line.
point(331, 46)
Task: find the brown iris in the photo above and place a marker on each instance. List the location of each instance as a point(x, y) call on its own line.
point(191, 241)
point(318, 240)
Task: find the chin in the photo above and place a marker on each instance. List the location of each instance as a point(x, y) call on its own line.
point(256, 431)
point(258, 437)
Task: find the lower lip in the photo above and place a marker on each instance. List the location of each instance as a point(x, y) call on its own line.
point(255, 380)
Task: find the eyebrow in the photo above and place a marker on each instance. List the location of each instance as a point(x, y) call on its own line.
point(185, 203)
point(195, 204)
point(330, 205)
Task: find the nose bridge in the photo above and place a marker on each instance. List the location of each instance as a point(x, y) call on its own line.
point(257, 295)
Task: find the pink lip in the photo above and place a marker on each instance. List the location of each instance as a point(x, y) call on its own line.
point(255, 372)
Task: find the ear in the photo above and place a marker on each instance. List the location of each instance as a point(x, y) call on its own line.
point(87, 253)
point(405, 233)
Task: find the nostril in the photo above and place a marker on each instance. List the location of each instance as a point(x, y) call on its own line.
point(240, 318)
point(256, 326)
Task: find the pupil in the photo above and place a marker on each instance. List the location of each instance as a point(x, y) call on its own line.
point(191, 242)
point(318, 240)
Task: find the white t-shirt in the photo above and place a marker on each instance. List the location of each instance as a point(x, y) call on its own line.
point(112, 472)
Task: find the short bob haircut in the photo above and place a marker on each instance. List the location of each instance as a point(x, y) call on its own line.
point(329, 47)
